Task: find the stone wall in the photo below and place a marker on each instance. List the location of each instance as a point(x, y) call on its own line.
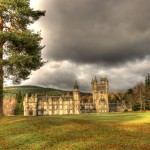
point(87, 108)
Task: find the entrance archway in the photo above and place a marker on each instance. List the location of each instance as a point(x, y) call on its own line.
point(31, 112)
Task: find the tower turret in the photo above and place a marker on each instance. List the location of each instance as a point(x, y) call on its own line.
point(76, 98)
point(95, 80)
point(95, 86)
point(94, 89)
point(76, 87)
point(92, 82)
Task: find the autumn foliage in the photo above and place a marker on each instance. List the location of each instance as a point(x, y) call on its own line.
point(9, 106)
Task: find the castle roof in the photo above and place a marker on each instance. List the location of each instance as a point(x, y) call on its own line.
point(95, 80)
point(76, 85)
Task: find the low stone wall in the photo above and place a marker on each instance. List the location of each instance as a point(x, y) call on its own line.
point(87, 108)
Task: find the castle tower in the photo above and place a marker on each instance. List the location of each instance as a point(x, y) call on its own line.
point(100, 94)
point(76, 99)
point(103, 105)
point(94, 89)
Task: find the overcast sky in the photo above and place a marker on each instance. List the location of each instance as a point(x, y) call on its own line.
point(87, 38)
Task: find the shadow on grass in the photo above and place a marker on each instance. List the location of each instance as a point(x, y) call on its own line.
point(88, 131)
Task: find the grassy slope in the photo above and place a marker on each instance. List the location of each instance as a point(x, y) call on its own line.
point(13, 90)
point(127, 131)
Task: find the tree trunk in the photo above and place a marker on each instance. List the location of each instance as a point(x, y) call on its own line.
point(144, 105)
point(1, 82)
point(141, 104)
point(149, 98)
point(1, 71)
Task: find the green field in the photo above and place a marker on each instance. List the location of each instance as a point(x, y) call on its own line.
point(126, 131)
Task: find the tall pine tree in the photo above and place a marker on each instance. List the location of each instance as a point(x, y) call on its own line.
point(147, 80)
point(20, 50)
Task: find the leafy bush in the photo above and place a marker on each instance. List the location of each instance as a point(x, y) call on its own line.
point(136, 107)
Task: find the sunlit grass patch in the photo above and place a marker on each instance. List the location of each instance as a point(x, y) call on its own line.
point(76, 132)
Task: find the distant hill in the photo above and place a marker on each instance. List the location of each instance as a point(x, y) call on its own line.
point(13, 90)
point(21, 86)
point(31, 89)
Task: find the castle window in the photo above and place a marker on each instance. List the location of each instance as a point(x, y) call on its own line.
point(102, 97)
point(65, 106)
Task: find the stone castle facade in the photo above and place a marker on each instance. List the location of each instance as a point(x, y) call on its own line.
point(52, 105)
point(100, 94)
point(60, 105)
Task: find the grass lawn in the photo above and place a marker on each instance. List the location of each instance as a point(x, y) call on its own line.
point(125, 131)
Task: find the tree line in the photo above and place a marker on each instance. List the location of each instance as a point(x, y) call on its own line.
point(136, 98)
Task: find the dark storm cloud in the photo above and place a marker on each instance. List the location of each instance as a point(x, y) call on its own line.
point(96, 31)
point(84, 36)
point(63, 75)
point(54, 74)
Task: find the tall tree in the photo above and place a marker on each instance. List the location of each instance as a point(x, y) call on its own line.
point(147, 80)
point(20, 50)
point(139, 95)
point(129, 98)
point(147, 90)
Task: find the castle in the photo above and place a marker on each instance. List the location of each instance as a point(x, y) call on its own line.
point(59, 105)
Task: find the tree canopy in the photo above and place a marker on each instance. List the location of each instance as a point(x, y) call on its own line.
point(20, 49)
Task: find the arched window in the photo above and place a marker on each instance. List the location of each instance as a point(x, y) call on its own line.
point(30, 110)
